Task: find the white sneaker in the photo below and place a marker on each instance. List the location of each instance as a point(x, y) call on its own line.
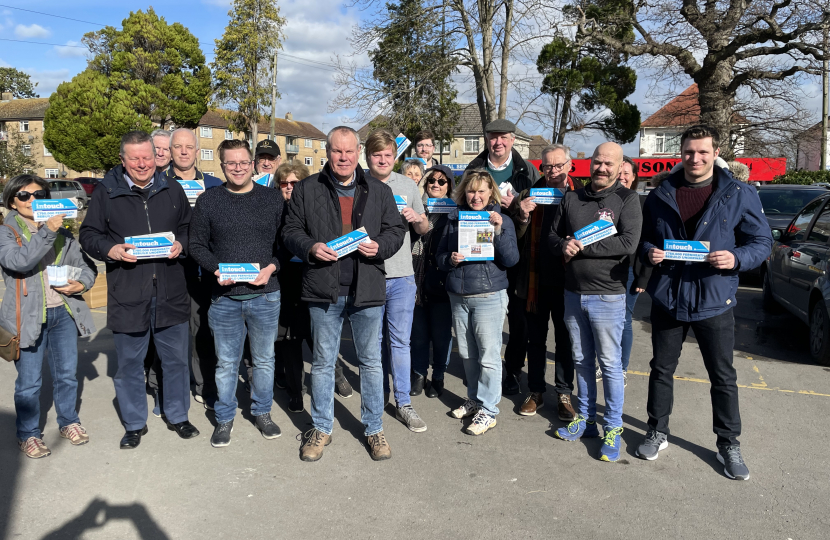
point(599, 375)
point(468, 408)
point(481, 423)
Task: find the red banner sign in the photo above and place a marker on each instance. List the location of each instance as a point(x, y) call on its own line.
point(760, 169)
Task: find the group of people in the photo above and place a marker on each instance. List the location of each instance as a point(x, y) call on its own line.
point(405, 289)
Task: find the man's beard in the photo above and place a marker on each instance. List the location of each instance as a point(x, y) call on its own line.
point(602, 181)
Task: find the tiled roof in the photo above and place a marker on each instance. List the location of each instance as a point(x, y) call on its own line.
point(537, 144)
point(24, 109)
point(292, 128)
point(469, 123)
point(811, 133)
point(684, 110)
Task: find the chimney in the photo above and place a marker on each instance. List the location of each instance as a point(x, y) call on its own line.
point(6, 96)
point(580, 155)
point(288, 116)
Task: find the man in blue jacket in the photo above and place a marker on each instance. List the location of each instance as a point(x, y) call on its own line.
point(700, 202)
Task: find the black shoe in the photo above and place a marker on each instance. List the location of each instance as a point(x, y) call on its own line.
point(511, 386)
point(222, 435)
point(185, 429)
point(733, 463)
point(417, 384)
point(343, 388)
point(132, 439)
point(279, 381)
point(267, 427)
point(295, 404)
point(435, 388)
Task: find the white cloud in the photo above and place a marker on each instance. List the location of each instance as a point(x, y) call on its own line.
point(31, 31)
point(47, 80)
point(70, 50)
point(220, 3)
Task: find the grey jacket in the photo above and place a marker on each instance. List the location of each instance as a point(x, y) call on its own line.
point(25, 260)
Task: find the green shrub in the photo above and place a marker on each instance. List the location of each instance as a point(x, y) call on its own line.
point(803, 177)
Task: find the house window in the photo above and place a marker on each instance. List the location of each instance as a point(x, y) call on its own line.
point(323, 145)
point(207, 155)
point(444, 148)
point(51, 173)
point(322, 162)
point(672, 144)
point(308, 143)
point(24, 126)
point(27, 149)
point(228, 135)
point(206, 132)
point(46, 152)
point(659, 143)
point(308, 161)
point(471, 145)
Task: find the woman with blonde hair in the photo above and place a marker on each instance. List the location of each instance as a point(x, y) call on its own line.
point(478, 297)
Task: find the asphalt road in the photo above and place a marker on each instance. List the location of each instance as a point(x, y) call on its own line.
point(516, 481)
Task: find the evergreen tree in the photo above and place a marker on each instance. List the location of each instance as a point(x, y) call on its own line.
point(18, 83)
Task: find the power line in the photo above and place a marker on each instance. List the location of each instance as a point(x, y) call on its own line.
point(43, 43)
point(51, 15)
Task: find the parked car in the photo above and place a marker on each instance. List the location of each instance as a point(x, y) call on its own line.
point(65, 189)
point(783, 201)
point(795, 275)
point(88, 183)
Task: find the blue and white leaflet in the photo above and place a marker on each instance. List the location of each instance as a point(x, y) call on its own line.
point(440, 206)
point(475, 236)
point(238, 272)
point(546, 195)
point(151, 246)
point(400, 202)
point(402, 143)
point(263, 179)
point(685, 250)
point(349, 242)
point(192, 188)
point(595, 232)
point(44, 209)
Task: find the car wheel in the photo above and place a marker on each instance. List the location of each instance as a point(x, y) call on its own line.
point(820, 333)
point(768, 301)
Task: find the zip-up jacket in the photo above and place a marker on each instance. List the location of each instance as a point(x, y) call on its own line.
point(478, 277)
point(524, 173)
point(733, 220)
point(314, 216)
point(116, 212)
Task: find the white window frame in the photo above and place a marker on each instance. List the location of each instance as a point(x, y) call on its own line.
point(207, 154)
point(49, 172)
point(472, 145)
point(24, 126)
point(228, 135)
point(308, 161)
point(672, 144)
point(444, 148)
point(322, 145)
point(46, 152)
point(308, 143)
point(206, 132)
point(27, 150)
point(659, 143)
point(322, 162)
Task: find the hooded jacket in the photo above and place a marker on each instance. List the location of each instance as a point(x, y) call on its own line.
point(524, 173)
point(733, 220)
point(116, 212)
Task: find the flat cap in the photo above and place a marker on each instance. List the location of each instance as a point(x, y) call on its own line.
point(267, 147)
point(500, 126)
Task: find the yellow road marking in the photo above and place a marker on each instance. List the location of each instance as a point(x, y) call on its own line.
point(761, 384)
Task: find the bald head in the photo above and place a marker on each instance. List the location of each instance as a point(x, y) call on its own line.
point(606, 164)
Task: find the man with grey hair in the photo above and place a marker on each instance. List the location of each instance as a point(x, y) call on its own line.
point(539, 283)
point(146, 297)
point(161, 144)
point(507, 166)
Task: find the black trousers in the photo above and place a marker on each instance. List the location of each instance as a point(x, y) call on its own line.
point(203, 351)
point(289, 355)
point(516, 349)
point(550, 307)
point(716, 338)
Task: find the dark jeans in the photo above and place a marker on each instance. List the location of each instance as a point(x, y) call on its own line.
point(432, 323)
point(202, 347)
point(550, 307)
point(516, 349)
point(716, 338)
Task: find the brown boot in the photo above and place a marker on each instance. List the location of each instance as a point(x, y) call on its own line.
point(566, 411)
point(316, 441)
point(533, 402)
point(378, 447)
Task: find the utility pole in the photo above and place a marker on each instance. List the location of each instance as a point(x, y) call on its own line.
point(274, 96)
point(824, 111)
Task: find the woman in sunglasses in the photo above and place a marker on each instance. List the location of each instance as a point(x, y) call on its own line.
point(432, 319)
point(51, 317)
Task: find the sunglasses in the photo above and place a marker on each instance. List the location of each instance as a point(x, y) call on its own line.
point(440, 181)
point(286, 184)
point(24, 196)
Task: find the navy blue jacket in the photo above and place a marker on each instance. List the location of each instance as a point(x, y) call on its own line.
point(478, 277)
point(733, 221)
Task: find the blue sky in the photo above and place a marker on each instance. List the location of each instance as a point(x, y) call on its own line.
point(315, 31)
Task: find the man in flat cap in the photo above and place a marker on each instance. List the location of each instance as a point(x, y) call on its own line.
point(267, 159)
point(506, 165)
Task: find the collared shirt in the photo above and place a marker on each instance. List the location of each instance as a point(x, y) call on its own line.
point(503, 165)
point(130, 183)
point(354, 177)
point(171, 173)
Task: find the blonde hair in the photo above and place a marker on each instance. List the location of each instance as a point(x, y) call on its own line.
point(471, 179)
point(378, 140)
point(287, 169)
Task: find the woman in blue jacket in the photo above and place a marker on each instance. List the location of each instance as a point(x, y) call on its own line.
point(478, 294)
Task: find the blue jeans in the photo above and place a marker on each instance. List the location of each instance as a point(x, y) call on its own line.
point(628, 330)
point(394, 335)
point(478, 323)
point(229, 319)
point(326, 326)
point(595, 323)
point(432, 323)
point(58, 336)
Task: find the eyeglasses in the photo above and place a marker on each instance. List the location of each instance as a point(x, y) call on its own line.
point(557, 167)
point(424, 145)
point(439, 181)
point(237, 164)
point(24, 196)
point(286, 184)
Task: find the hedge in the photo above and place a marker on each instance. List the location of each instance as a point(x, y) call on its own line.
point(803, 177)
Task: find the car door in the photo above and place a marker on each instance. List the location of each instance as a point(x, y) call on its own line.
point(812, 259)
point(56, 189)
point(787, 259)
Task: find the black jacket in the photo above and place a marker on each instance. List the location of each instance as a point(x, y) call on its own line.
point(314, 216)
point(115, 212)
point(524, 173)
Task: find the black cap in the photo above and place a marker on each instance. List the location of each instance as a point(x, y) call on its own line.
point(500, 126)
point(267, 147)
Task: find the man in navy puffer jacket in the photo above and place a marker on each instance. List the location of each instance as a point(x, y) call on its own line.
point(703, 203)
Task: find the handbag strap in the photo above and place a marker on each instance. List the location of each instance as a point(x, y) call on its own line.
point(17, 283)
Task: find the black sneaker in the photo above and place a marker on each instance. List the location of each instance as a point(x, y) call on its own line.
point(511, 386)
point(733, 463)
point(222, 435)
point(295, 404)
point(343, 388)
point(267, 427)
point(652, 444)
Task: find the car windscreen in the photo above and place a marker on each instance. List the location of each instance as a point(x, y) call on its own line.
point(787, 201)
